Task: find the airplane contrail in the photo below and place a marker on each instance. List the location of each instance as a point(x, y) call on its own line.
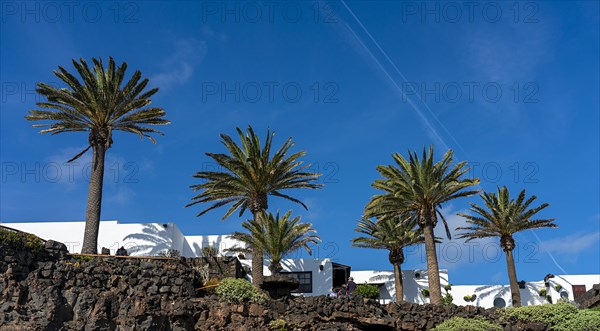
point(421, 114)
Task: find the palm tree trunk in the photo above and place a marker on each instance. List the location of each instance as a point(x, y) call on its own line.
point(94, 201)
point(433, 273)
point(398, 282)
point(512, 278)
point(257, 268)
point(257, 264)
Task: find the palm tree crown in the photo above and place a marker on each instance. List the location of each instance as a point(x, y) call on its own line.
point(503, 218)
point(99, 105)
point(420, 186)
point(275, 237)
point(251, 174)
point(392, 234)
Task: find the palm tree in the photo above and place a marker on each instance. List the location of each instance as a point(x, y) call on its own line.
point(99, 105)
point(275, 237)
point(503, 218)
point(421, 187)
point(250, 174)
point(392, 234)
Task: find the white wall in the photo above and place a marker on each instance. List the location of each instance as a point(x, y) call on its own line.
point(529, 295)
point(137, 238)
point(322, 280)
point(222, 242)
point(412, 285)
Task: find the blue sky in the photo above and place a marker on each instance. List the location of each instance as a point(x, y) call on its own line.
point(511, 87)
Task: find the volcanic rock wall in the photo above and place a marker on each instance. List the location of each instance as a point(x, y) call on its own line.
point(50, 290)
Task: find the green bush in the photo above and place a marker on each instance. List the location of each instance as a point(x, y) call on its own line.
point(170, 253)
point(583, 320)
point(235, 290)
point(83, 258)
point(470, 298)
point(447, 299)
point(547, 313)
point(467, 324)
point(558, 317)
point(367, 291)
point(278, 324)
point(18, 240)
point(210, 251)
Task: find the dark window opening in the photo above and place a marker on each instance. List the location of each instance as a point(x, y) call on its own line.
point(305, 279)
point(499, 303)
point(340, 274)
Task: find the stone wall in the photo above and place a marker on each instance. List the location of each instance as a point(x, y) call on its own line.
point(590, 298)
point(219, 267)
point(52, 291)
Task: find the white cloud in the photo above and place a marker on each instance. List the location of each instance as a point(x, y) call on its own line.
point(512, 53)
point(120, 195)
point(572, 244)
point(180, 66)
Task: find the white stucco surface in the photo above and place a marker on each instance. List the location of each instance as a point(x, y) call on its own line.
point(137, 238)
point(486, 294)
point(414, 282)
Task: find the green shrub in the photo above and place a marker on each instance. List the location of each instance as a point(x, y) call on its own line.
point(558, 317)
point(367, 291)
point(547, 313)
point(447, 299)
point(467, 324)
point(470, 298)
point(278, 324)
point(583, 320)
point(210, 251)
point(543, 292)
point(425, 293)
point(19, 240)
point(235, 290)
point(170, 253)
point(83, 258)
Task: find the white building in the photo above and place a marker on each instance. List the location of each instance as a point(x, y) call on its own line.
point(414, 282)
point(317, 276)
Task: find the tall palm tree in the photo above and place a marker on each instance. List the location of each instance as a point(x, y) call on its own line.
point(99, 104)
point(392, 234)
point(503, 218)
point(275, 237)
point(421, 187)
point(250, 175)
